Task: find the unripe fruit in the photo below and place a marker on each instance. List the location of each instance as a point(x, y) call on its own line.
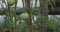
point(11, 2)
point(24, 15)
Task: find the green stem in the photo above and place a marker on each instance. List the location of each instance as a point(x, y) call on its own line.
point(36, 2)
point(23, 3)
point(15, 16)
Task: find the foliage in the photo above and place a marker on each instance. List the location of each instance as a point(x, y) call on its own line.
point(52, 4)
point(16, 23)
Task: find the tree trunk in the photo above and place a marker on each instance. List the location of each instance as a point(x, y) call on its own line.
point(44, 13)
point(27, 6)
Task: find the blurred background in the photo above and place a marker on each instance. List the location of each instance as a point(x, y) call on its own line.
point(42, 16)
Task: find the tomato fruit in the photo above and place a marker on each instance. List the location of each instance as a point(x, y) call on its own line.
point(11, 2)
point(7, 30)
point(24, 15)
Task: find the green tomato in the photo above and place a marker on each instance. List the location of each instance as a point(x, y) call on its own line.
point(11, 2)
point(24, 15)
